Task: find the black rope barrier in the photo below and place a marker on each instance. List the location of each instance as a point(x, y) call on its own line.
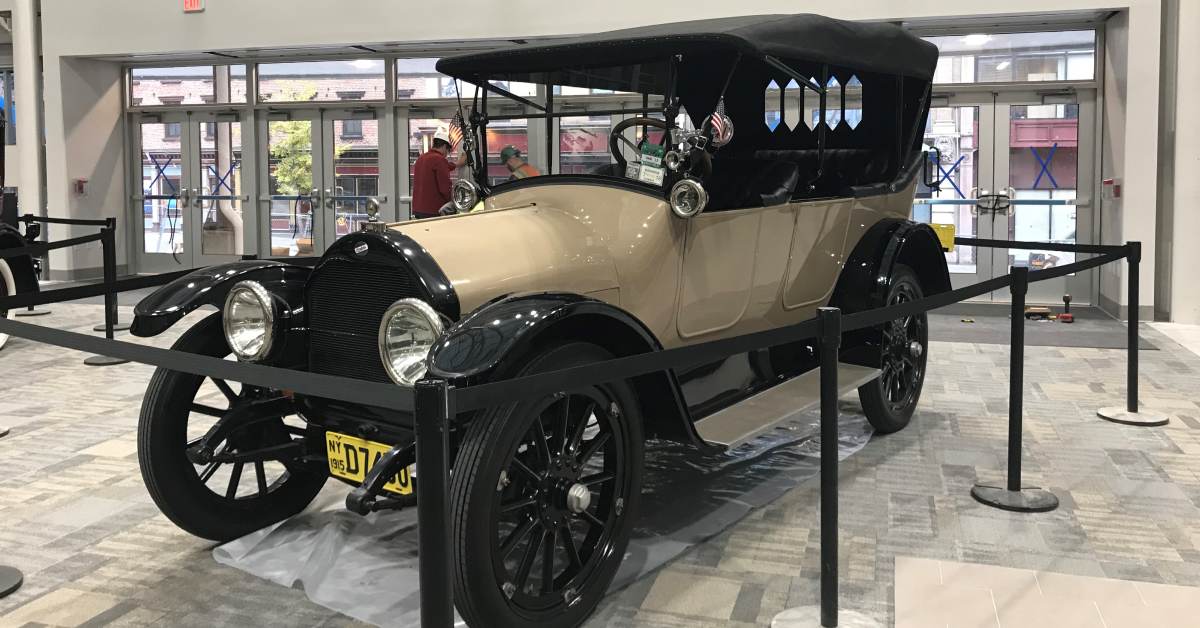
point(37, 248)
point(388, 396)
point(435, 402)
point(1041, 246)
point(85, 222)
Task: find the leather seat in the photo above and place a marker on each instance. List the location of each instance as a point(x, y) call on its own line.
point(742, 183)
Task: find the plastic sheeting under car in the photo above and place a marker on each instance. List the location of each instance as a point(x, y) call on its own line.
point(366, 567)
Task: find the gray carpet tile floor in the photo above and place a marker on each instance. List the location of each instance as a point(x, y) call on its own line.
point(75, 516)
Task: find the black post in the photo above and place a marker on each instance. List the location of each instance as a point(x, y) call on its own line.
point(829, 322)
point(433, 409)
point(1131, 347)
point(108, 246)
point(1013, 496)
point(111, 323)
point(1130, 414)
point(1016, 374)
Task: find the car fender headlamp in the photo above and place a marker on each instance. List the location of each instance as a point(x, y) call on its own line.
point(464, 194)
point(249, 319)
point(688, 198)
point(407, 332)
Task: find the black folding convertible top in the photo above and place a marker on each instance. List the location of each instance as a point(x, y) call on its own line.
point(873, 47)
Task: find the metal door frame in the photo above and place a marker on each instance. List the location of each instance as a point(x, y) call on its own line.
point(197, 198)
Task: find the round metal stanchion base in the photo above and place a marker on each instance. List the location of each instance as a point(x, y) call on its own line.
point(10, 580)
point(116, 327)
point(1118, 414)
point(31, 312)
point(1030, 499)
point(3, 431)
point(810, 617)
point(102, 360)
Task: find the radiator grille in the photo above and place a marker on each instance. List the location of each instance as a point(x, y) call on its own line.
point(346, 302)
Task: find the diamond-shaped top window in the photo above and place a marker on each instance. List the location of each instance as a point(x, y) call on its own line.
point(793, 98)
point(853, 110)
point(772, 101)
point(833, 103)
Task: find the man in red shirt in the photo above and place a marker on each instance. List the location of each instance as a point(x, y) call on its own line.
point(431, 177)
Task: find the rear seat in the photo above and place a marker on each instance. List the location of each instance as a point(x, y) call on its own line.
point(844, 167)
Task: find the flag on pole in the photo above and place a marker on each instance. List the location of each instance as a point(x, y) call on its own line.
point(456, 131)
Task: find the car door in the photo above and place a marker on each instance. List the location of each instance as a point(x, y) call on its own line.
point(816, 254)
point(732, 267)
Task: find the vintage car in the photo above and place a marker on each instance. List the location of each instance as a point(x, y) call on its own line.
point(695, 232)
point(18, 274)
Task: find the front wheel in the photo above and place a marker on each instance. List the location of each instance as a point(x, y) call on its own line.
point(543, 495)
point(8, 288)
point(242, 489)
point(889, 400)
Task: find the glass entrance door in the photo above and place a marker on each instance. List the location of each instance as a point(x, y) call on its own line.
point(350, 171)
point(322, 167)
point(1024, 152)
point(188, 197)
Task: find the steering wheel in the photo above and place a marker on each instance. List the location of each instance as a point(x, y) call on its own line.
point(617, 137)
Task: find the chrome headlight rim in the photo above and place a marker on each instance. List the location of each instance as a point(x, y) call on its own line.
point(464, 194)
point(688, 186)
point(270, 315)
point(426, 312)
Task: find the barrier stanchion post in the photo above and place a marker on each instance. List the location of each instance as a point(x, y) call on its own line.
point(10, 578)
point(111, 320)
point(829, 322)
point(1014, 497)
point(433, 409)
point(827, 614)
point(1131, 414)
point(108, 246)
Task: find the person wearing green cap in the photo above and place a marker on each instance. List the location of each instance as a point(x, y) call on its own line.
point(511, 157)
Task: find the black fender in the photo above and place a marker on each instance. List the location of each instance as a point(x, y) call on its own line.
point(22, 266)
point(209, 286)
point(494, 341)
point(867, 274)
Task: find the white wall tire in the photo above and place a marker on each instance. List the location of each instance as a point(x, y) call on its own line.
point(8, 287)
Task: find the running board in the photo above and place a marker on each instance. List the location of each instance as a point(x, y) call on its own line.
point(750, 417)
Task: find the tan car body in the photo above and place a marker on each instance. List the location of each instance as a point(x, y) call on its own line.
point(715, 275)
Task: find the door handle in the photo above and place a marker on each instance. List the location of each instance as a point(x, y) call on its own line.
point(328, 198)
point(196, 200)
point(314, 197)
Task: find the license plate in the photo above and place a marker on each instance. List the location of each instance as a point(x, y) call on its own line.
point(351, 458)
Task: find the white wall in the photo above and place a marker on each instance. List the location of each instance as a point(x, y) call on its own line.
point(1185, 227)
point(112, 27)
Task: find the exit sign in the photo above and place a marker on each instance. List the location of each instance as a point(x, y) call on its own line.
point(193, 6)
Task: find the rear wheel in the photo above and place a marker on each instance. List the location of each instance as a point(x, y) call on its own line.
point(214, 499)
point(889, 401)
point(543, 494)
point(8, 288)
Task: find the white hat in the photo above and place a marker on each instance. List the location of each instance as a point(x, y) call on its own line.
point(442, 134)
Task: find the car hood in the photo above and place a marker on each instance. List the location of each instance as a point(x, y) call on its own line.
point(524, 248)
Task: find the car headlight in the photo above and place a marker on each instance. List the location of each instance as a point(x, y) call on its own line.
point(249, 320)
point(406, 334)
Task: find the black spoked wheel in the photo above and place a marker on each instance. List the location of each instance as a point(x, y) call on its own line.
point(543, 495)
point(890, 400)
point(237, 480)
point(8, 288)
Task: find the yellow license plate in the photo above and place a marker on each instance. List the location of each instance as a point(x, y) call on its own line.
point(945, 234)
point(351, 458)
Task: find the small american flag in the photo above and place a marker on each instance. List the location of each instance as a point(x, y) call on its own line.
point(456, 131)
point(721, 130)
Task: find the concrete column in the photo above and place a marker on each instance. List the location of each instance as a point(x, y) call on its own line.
point(27, 76)
point(1185, 255)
